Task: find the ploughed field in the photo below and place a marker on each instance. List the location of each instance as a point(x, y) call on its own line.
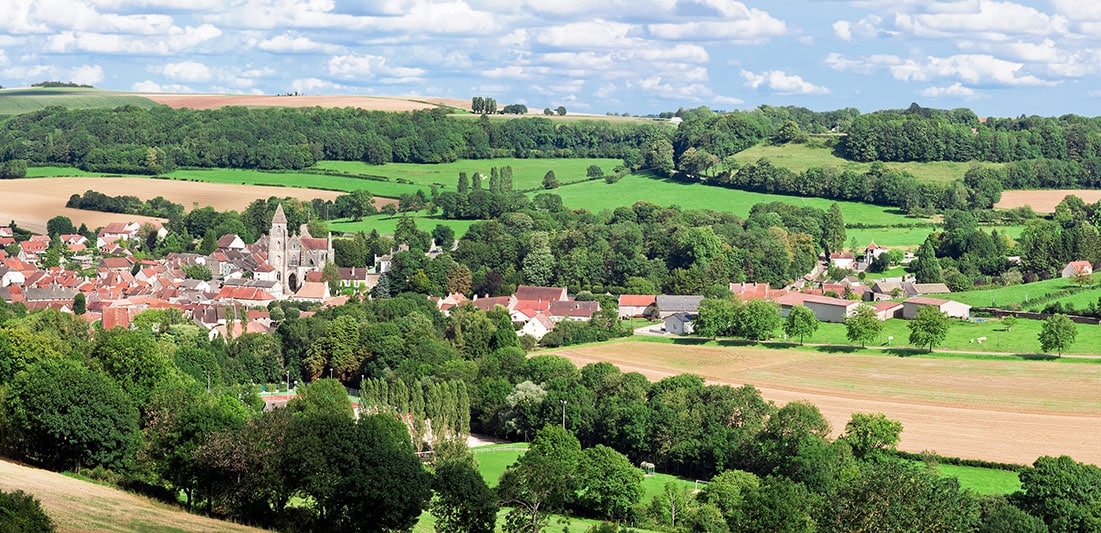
point(31, 202)
point(1044, 201)
point(1005, 411)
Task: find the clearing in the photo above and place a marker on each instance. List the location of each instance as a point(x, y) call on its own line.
point(1044, 201)
point(76, 505)
point(1006, 411)
point(32, 202)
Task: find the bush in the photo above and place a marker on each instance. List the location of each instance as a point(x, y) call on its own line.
point(20, 511)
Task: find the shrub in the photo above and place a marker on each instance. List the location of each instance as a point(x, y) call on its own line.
point(20, 511)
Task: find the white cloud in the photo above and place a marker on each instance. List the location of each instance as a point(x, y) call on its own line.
point(590, 34)
point(973, 69)
point(869, 27)
point(311, 85)
point(727, 100)
point(863, 65)
point(843, 30)
point(176, 40)
point(189, 71)
point(367, 67)
point(742, 25)
point(994, 20)
point(780, 82)
point(150, 86)
point(956, 90)
point(287, 43)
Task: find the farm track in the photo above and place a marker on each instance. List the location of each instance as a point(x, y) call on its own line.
point(1006, 411)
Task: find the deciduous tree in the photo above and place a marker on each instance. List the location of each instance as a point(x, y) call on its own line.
point(801, 322)
point(929, 327)
point(1058, 333)
point(863, 326)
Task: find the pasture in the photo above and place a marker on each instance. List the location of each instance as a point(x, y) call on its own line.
point(1024, 295)
point(292, 179)
point(526, 173)
point(76, 505)
point(975, 409)
point(800, 157)
point(27, 100)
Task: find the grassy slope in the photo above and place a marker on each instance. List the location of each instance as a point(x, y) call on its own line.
point(799, 157)
point(1022, 294)
point(526, 173)
point(16, 101)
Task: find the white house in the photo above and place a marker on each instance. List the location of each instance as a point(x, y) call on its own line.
point(843, 260)
point(952, 309)
point(1075, 268)
point(679, 324)
point(537, 326)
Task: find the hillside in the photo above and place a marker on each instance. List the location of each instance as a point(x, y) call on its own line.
point(76, 505)
point(18, 101)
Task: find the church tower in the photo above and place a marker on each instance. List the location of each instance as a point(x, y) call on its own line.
point(277, 246)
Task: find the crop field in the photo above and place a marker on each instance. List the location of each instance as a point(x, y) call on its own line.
point(597, 195)
point(76, 505)
point(1001, 410)
point(17, 101)
point(373, 103)
point(294, 179)
point(800, 157)
point(31, 202)
point(526, 173)
point(1044, 201)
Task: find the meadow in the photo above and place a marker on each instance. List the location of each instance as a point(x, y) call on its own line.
point(1027, 294)
point(800, 157)
point(17, 101)
point(295, 179)
point(526, 173)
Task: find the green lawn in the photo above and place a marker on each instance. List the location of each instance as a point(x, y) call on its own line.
point(983, 480)
point(526, 173)
point(800, 157)
point(385, 224)
point(493, 460)
point(17, 101)
point(598, 195)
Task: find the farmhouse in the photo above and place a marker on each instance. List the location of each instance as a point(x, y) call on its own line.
point(755, 291)
point(671, 305)
point(572, 310)
point(538, 326)
point(1075, 268)
point(952, 309)
point(634, 304)
point(844, 260)
point(679, 324)
point(827, 309)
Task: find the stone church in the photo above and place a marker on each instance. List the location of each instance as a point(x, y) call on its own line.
point(293, 256)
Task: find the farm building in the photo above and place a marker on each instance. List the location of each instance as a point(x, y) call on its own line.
point(634, 304)
point(1075, 268)
point(679, 324)
point(843, 260)
point(671, 305)
point(887, 310)
point(827, 309)
point(952, 309)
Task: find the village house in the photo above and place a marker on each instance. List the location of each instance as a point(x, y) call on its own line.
point(952, 309)
point(755, 291)
point(538, 326)
point(670, 305)
point(679, 324)
point(572, 310)
point(632, 305)
point(842, 260)
point(1075, 268)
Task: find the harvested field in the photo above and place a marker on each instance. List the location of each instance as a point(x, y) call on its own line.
point(76, 505)
point(1045, 201)
point(1006, 411)
point(32, 202)
point(373, 103)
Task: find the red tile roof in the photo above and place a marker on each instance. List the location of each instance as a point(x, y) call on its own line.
point(636, 300)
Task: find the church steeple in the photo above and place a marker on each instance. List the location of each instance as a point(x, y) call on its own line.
point(277, 244)
point(280, 217)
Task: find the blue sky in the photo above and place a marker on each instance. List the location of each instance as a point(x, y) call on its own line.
point(1002, 58)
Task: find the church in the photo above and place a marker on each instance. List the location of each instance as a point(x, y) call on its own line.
point(293, 256)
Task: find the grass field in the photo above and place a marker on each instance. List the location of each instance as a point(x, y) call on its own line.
point(598, 195)
point(983, 480)
point(59, 172)
point(17, 101)
point(295, 179)
point(526, 173)
point(1023, 294)
point(385, 224)
point(800, 157)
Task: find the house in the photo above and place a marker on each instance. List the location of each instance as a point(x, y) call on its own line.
point(679, 324)
point(538, 326)
point(572, 310)
point(843, 260)
point(116, 264)
point(634, 304)
point(952, 309)
point(11, 276)
point(887, 310)
point(489, 304)
point(755, 291)
point(671, 305)
point(1075, 268)
point(537, 294)
point(360, 278)
point(231, 242)
point(827, 309)
point(872, 252)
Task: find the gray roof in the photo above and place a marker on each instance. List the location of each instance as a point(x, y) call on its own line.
point(35, 294)
point(678, 304)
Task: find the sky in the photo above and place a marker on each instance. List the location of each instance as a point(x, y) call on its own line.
point(999, 58)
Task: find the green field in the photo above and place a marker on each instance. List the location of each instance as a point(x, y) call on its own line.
point(60, 172)
point(598, 195)
point(294, 179)
point(17, 101)
point(1024, 294)
point(526, 173)
point(385, 224)
point(800, 157)
point(982, 480)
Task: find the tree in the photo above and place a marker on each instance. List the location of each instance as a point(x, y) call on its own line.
point(560, 111)
point(609, 484)
point(59, 225)
point(389, 488)
point(463, 501)
point(543, 480)
point(594, 171)
point(1058, 333)
point(550, 181)
point(929, 327)
point(1066, 494)
point(65, 415)
point(1008, 322)
point(833, 230)
point(355, 205)
point(870, 433)
point(926, 267)
point(538, 264)
point(863, 326)
point(548, 111)
point(326, 396)
point(80, 304)
point(20, 511)
point(757, 320)
point(801, 322)
point(715, 318)
point(199, 272)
